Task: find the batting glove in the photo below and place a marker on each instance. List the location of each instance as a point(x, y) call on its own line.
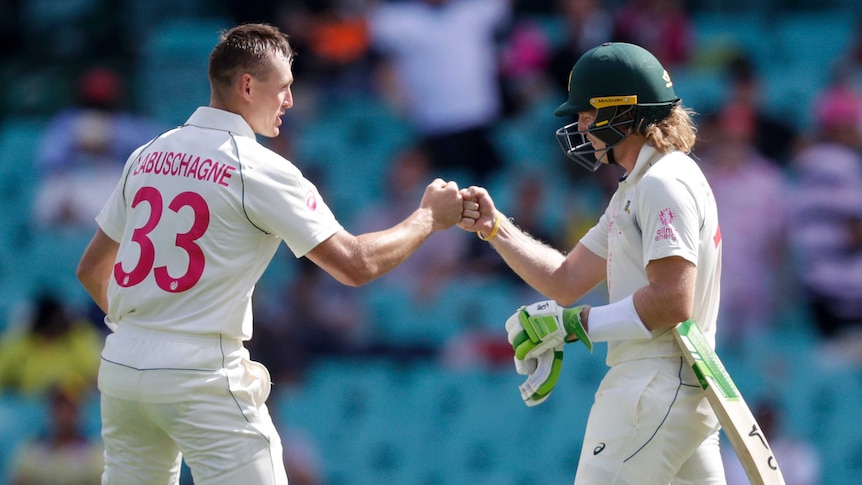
point(544, 325)
point(543, 377)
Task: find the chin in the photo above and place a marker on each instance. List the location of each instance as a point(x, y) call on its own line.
point(271, 133)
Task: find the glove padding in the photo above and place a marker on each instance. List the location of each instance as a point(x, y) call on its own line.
point(544, 325)
point(543, 375)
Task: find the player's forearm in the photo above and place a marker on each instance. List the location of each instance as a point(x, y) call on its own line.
point(538, 264)
point(97, 289)
point(96, 266)
point(379, 252)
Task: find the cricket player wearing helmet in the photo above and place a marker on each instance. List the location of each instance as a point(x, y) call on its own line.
point(192, 224)
point(658, 247)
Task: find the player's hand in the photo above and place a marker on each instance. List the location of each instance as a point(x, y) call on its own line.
point(478, 211)
point(542, 372)
point(445, 202)
point(535, 328)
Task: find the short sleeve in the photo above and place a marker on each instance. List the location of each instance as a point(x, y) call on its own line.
point(669, 219)
point(596, 239)
point(280, 200)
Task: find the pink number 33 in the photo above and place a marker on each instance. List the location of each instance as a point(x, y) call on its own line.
point(184, 241)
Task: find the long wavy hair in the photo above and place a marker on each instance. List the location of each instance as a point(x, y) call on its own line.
point(675, 132)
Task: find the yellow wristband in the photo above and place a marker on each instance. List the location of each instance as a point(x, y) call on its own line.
point(493, 230)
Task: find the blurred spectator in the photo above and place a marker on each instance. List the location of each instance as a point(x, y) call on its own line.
point(302, 459)
point(533, 211)
point(445, 74)
point(523, 67)
point(798, 459)
point(433, 265)
point(55, 349)
point(661, 26)
point(827, 221)
point(853, 56)
point(477, 348)
point(334, 45)
point(302, 455)
point(83, 149)
point(309, 317)
point(775, 139)
point(64, 454)
point(752, 197)
point(586, 24)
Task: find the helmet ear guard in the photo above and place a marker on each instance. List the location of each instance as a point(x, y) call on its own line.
point(650, 114)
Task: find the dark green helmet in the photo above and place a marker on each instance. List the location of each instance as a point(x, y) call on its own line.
point(628, 88)
point(614, 74)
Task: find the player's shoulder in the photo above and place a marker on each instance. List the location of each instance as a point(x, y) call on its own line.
point(674, 171)
point(674, 165)
point(257, 158)
point(253, 152)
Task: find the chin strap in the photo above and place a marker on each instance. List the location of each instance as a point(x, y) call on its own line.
point(611, 158)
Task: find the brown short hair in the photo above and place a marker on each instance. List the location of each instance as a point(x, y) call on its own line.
point(245, 49)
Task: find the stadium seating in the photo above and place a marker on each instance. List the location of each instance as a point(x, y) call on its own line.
point(21, 419)
point(171, 79)
point(18, 141)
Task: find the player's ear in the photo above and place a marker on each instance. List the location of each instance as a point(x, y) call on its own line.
point(246, 86)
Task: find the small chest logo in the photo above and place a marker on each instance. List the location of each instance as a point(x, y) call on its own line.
point(311, 200)
point(598, 449)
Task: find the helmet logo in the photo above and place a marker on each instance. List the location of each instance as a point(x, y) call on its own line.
point(667, 82)
point(607, 101)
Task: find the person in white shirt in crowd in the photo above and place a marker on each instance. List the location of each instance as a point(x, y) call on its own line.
point(444, 60)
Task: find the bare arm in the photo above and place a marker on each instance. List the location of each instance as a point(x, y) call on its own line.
point(564, 278)
point(96, 266)
point(356, 260)
point(669, 297)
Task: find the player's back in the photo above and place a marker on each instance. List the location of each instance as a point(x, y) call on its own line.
point(189, 255)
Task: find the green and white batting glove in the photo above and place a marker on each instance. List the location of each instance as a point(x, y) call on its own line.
point(543, 377)
point(544, 325)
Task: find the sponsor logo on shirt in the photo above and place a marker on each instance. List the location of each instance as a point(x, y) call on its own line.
point(666, 232)
point(311, 200)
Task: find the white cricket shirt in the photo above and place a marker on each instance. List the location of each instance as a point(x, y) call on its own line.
point(663, 208)
point(199, 213)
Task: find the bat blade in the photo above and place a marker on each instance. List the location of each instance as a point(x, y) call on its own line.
point(739, 425)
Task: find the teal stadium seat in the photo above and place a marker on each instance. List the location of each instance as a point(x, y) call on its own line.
point(171, 80)
point(19, 139)
point(389, 422)
point(21, 418)
point(809, 46)
point(349, 145)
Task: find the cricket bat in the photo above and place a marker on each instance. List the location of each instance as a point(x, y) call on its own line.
point(736, 419)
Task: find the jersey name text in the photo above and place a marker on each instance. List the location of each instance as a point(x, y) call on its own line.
point(184, 165)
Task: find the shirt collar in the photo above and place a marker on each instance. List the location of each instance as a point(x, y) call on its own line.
point(219, 119)
point(646, 158)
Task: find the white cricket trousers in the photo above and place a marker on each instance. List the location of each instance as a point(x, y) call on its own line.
point(167, 396)
point(651, 424)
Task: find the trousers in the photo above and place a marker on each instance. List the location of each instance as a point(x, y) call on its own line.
point(166, 396)
point(651, 424)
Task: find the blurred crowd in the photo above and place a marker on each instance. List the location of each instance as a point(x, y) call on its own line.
point(469, 87)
